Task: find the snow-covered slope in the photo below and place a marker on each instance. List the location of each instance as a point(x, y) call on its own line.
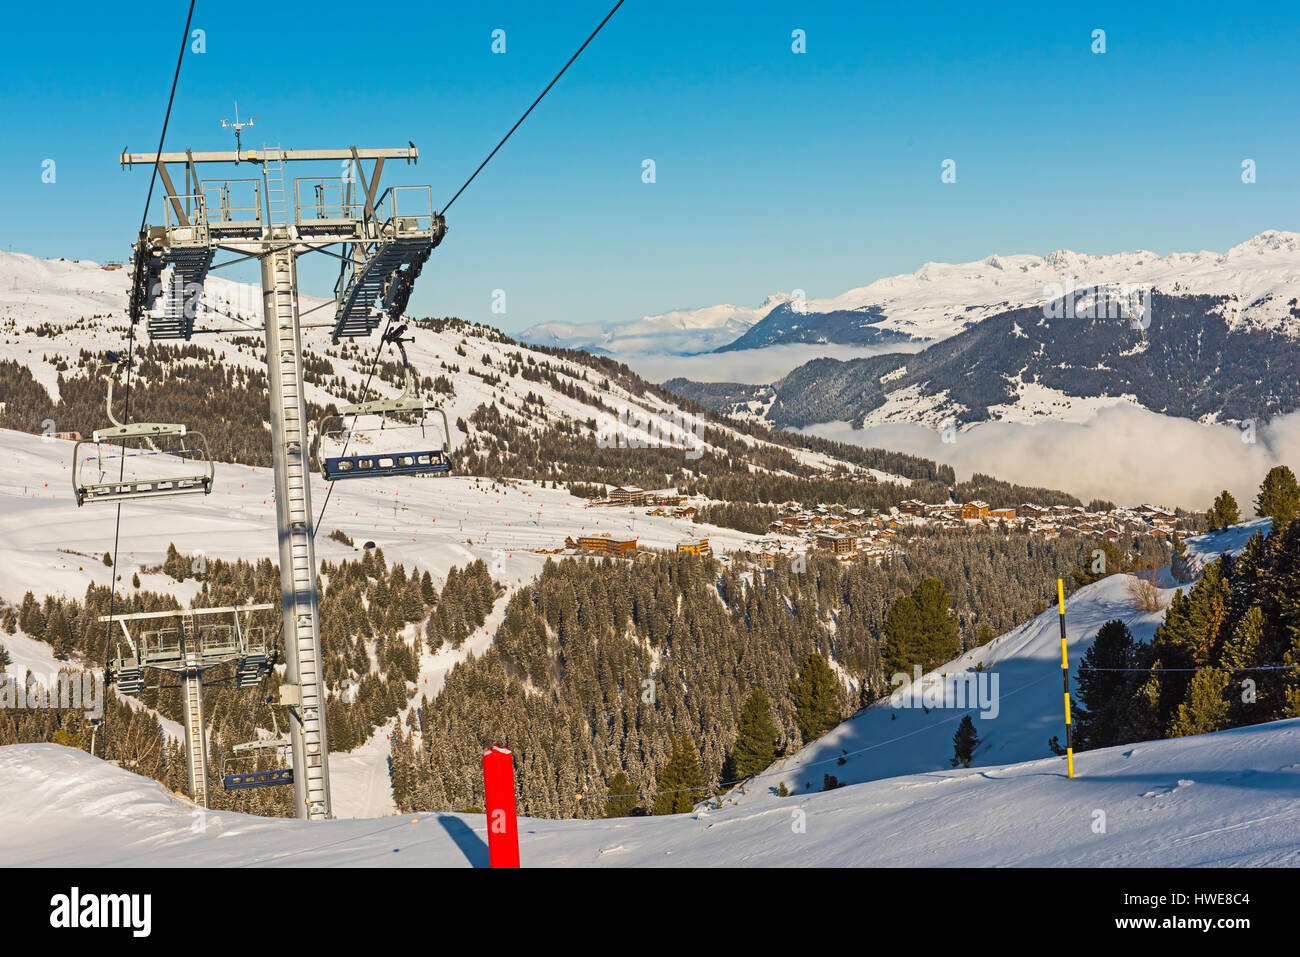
point(887, 740)
point(938, 300)
point(1201, 550)
point(1226, 799)
point(49, 546)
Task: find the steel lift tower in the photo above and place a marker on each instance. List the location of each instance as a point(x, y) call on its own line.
point(188, 642)
point(385, 240)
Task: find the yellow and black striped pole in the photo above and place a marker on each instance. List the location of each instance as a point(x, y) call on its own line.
point(1065, 677)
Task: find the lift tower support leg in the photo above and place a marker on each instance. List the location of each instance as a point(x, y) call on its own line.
point(196, 753)
point(299, 602)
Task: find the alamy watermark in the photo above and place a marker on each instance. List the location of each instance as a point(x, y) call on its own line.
point(75, 909)
point(961, 690)
point(1123, 300)
point(66, 691)
point(633, 428)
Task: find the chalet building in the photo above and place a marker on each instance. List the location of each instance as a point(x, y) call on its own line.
point(1033, 511)
point(912, 507)
point(628, 496)
point(606, 545)
point(696, 546)
point(1002, 514)
point(975, 511)
point(838, 544)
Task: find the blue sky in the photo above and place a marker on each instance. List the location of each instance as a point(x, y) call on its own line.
point(775, 170)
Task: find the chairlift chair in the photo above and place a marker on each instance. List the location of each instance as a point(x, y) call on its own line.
point(418, 461)
point(249, 751)
point(121, 441)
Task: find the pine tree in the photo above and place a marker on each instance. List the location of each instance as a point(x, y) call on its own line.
point(964, 742)
point(680, 784)
point(816, 698)
point(1104, 692)
point(941, 638)
point(921, 629)
point(903, 636)
point(1206, 708)
point(1178, 563)
point(30, 618)
point(1112, 560)
point(173, 565)
point(1223, 513)
point(756, 738)
point(622, 798)
point(1279, 497)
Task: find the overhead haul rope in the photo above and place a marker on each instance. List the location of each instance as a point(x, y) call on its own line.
point(530, 109)
point(502, 143)
point(117, 525)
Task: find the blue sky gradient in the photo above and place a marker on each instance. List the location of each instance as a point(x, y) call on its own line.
point(775, 170)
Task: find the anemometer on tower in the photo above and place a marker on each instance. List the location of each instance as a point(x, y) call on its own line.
point(385, 239)
point(239, 128)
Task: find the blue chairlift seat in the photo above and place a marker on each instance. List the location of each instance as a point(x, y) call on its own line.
point(384, 464)
point(258, 779)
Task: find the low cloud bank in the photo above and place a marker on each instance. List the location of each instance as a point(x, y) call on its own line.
point(752, 366)
point(1125, 453)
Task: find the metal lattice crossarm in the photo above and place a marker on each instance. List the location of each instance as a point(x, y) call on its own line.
point(188, 642)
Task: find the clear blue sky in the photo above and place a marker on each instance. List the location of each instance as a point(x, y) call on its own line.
point(818, 171)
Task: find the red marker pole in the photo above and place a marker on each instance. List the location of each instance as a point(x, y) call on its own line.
point(499, 787)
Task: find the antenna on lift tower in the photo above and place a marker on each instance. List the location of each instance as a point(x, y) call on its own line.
point(238, 127)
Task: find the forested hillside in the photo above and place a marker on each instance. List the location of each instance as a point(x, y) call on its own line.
point(565, 682)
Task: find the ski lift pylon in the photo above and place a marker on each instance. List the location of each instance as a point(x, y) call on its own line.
point(382, 464)
point(106, 489)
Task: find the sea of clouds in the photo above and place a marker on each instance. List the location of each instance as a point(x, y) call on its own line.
point(1124, 453)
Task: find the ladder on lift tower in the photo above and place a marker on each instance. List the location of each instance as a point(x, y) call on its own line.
point(277, 204)
point(198, 766)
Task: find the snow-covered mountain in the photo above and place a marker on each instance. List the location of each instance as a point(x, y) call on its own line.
point(1260, 277)
point(680, 332)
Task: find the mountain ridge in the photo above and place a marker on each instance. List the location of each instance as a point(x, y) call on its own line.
point(938, 300)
